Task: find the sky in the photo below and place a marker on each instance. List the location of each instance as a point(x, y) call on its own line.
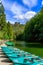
point(21, 10)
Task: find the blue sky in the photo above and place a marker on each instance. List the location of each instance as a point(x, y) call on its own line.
point(21, 10)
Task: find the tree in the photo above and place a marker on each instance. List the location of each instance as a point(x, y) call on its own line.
point(1, 8)
point(34, 28)
point(18, 31)
point(3, 24)
point(9, 31)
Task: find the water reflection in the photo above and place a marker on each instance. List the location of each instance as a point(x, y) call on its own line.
point(29, 44)
point(21, 43)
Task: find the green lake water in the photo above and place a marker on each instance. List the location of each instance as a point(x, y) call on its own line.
point(34, 48)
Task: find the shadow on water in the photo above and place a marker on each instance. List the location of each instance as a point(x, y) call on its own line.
point(29, 44)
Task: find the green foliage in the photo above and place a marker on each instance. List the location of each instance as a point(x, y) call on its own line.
point(9, 31)
point(1, 8)
point(2, 22)
point(20, 37)
point(34, 28)
point(18, 31)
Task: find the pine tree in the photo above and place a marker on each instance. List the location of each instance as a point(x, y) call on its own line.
point(3, 25)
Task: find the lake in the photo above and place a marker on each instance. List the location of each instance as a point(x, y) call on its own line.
point(34, 48)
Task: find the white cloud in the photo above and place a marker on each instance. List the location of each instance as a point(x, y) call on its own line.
point(30, 3)
point(19, 16)
point(25, 17)
point(0, 1)
point(42, 2)
point(6, 4)
point(20, 12)
point(28, 15)
point(17, 9)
